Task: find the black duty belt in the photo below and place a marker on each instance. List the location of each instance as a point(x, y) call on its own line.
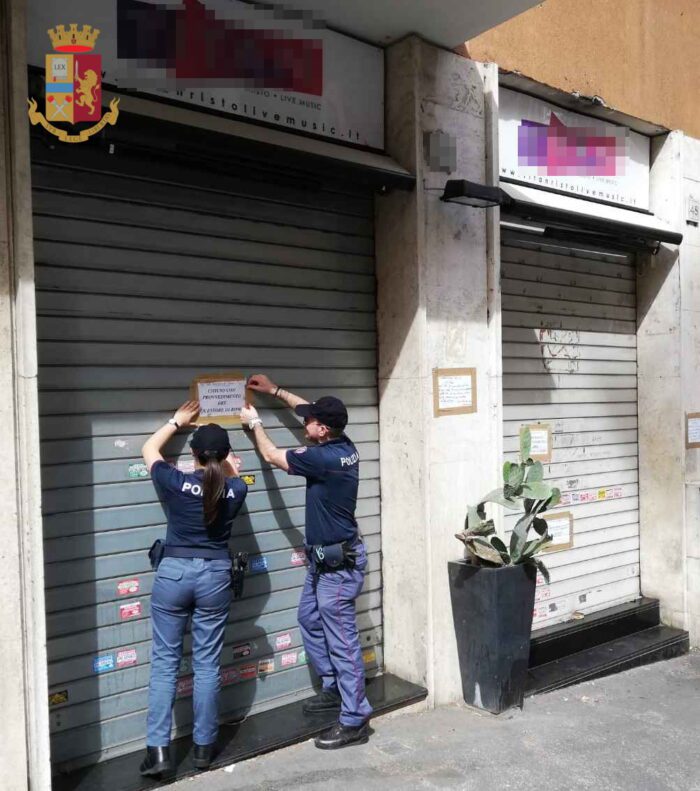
point(195, 552)
point(333, 557)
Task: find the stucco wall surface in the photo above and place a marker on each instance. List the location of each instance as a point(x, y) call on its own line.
point(640, 56)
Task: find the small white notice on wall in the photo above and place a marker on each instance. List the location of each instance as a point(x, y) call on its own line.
point(454, 391)
point(692, 430)
point(221, 398)
point(561, 527)
point(540, 441)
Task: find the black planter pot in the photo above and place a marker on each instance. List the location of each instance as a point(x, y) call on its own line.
point(492, 609)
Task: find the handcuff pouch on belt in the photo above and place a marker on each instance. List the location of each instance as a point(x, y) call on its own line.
point(239, 563)
point(334, 556)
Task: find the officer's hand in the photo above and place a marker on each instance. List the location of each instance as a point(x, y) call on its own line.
point(187, 413)
point(261, 383)
point(248, 412)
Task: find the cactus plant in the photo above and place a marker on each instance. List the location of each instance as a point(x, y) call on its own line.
point(523, 487)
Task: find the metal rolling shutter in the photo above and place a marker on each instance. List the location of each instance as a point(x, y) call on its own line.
point(570, 360)
point(149, 273)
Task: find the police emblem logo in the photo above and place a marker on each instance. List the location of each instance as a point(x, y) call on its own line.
point(73, 85)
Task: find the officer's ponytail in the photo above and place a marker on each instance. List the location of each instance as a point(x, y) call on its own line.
point(213, 484)
point(210, 444)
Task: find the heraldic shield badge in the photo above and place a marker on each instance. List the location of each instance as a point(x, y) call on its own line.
point(73, 85)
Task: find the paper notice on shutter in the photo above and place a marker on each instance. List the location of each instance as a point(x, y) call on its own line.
point(221, 398)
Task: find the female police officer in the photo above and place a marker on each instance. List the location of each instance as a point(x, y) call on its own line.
point(192, 579)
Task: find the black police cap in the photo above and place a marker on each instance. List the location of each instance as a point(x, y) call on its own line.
point(329, 410)
point(211, 437)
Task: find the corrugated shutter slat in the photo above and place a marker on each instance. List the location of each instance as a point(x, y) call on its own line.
point(147, 277)
point(570, 360)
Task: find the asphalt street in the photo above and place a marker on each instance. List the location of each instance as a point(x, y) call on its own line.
point(636, 731)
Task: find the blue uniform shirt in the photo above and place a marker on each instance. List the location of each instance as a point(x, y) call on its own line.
point(332, 473)
point(182, 495)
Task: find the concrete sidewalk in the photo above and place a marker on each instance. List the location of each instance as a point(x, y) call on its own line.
point(637, 731)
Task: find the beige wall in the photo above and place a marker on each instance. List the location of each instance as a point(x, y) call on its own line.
point(641, 56)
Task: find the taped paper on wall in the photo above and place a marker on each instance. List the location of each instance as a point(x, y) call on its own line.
point(692, 430)
point(561, 527)
point(540, 441)
point(454, 391)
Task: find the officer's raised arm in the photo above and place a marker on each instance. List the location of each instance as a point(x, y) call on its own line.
point(152, 447)
point(267, 448)
point(263, 384)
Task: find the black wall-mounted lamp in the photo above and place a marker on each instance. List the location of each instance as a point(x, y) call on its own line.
point(469, 193)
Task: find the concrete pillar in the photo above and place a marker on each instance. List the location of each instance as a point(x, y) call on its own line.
point(669, 389)
point(24, 733)
point(661, 441)
point(433, 312)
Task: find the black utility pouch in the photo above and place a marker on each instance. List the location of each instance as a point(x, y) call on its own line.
point(156, 552)
point(329, 558)
point(334, 556)
point(239, 563)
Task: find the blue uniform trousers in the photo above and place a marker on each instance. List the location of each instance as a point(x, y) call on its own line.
point(185, 587)
point(329, 630)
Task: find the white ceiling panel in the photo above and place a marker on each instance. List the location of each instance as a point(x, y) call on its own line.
point(444, 22)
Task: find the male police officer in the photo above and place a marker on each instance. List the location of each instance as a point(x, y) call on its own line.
point(337, 558)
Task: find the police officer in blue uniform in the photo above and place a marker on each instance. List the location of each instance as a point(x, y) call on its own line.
point(193, 580)
point(337, 558)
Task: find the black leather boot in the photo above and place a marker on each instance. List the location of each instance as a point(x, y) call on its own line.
point(202, 756)
point(156, 762)
point(327, 700)
point(341, 736)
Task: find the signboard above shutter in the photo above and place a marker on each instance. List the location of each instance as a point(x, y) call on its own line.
point(232, 58)
point(545, 146)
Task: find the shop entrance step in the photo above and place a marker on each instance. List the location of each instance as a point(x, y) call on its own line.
point(607, 642)
point(257, 734)
point(560, 640)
